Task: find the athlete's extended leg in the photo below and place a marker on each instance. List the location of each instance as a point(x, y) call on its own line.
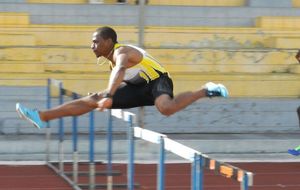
point(72, 108)
point(168, 106)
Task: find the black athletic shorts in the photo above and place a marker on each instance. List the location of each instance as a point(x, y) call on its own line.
point(130, 95)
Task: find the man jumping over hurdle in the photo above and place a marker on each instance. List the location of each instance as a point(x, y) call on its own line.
point(136, 79)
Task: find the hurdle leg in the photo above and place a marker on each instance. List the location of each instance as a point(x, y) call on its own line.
point(193, 174)
point(48, 131)
point(109, 152)
point(244, 182)
point(61, 133)
point(75, 151)
point(197, 172)
point(130, 166)
point(161, 166)
point(200, 172)
point(75, 144)
point(92, 153)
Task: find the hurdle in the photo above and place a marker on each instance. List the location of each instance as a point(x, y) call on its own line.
point(75, 171)
point(198, 160)
point(60, 169)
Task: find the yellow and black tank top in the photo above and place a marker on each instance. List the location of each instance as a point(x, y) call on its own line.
point(147, 70)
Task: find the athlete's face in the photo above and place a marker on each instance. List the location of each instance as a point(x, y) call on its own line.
point(99, 45)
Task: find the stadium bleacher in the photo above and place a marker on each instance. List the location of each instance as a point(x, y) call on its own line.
point(235, 52)
point(11, 18)
point(55, 38)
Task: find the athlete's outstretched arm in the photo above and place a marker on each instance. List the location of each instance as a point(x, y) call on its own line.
point(115, 79)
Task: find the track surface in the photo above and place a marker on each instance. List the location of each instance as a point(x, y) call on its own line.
point(267, 176)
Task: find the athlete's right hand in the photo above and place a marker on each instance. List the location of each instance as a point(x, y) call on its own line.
point(104, 103)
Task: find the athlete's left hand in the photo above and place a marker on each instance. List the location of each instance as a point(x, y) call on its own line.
point(104, 103)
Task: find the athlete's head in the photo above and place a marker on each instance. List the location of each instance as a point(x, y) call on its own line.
point(103, 41)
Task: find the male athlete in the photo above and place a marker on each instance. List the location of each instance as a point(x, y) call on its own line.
point(136, 79)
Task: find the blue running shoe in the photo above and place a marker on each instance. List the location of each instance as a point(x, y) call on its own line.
point(294, 152)
point(31, 115)
point(216, 90)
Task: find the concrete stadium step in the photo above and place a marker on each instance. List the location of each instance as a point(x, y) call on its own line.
point(36, 97)
point(234, 128)
point(224, 147)
point(210, 37)
point(185, 15)
point(197, 38)
point(13, 1)
point(270, 3)
point(174, 69)
point(278, 21)
point(198, 3)
point(154, 36)
point(233, 115)
point(81, 59)
point(58, 1)
point(10, 122)
point(296, 69)
point(252, 3)
point(163, 37)
point(266, 60)
point(85, 80)
point(15, 39)
point(227, 68)
point(296, 3)
point(217, 115)
point(283, 42)
point(63, 35)
point(48, 54)
point(40, 67)
point(239, 85)
point(25, 53)
point(21, 67)
point(243, 85)
point(14, 18)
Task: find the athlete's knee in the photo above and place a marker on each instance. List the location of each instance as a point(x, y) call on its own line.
point(91, 99)
point(165, 110)
point(165, 105)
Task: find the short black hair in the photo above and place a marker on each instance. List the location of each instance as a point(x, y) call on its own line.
point(107, 32)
